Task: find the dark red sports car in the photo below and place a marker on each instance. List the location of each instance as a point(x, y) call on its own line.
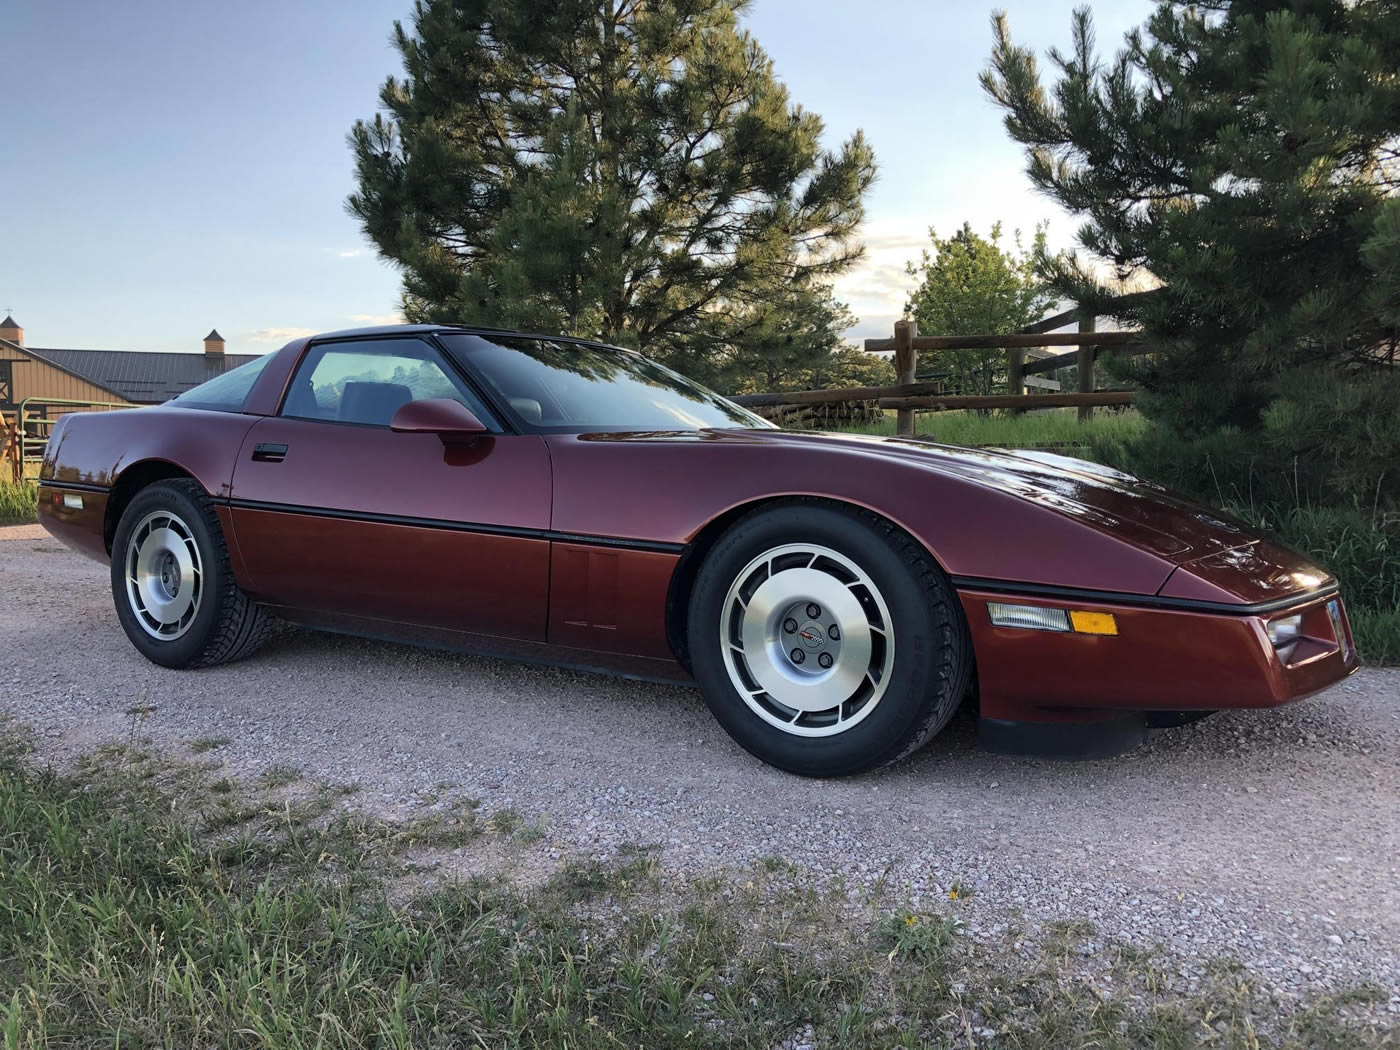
point(835, 597)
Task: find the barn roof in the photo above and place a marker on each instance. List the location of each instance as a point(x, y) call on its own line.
point(143, 376)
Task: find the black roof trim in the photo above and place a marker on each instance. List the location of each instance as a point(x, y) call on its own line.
point(460, 329)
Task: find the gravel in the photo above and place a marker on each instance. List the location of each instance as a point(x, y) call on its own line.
point(1271, 837)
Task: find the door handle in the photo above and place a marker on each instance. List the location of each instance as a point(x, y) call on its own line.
point(266, 452)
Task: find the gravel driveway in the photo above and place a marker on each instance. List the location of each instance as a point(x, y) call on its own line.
point(1270, 837)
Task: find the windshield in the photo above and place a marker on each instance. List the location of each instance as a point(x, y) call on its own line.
point(560, 386)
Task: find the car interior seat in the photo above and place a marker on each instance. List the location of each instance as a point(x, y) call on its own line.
point(362, 402)
point(303, 403)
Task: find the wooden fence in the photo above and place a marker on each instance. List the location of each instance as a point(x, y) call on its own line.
point(909, 395)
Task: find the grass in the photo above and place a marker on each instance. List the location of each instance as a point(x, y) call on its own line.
point(18, 503)
point(1050, 427)
point(125, 922)
point(280, 776)
point(1377, 635)
point(511, 822)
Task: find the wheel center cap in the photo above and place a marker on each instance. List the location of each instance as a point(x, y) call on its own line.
point(812, 635)
point(170, 575)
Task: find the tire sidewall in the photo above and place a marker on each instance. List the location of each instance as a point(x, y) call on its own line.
point(190, 646)
point(904, 707)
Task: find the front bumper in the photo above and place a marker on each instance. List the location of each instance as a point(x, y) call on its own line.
point(1161, 659)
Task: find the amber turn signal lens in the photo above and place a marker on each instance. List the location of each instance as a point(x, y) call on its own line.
point(1092, 622)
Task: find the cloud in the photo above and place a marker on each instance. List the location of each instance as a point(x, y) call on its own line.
point(871, 326)
point(280, 335)
point(351, 253)
point(906, 244)
point(874, 288)
point(877, 286)
point(876, 283)
point(393, 318)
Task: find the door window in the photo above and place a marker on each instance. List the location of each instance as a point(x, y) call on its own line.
point(367, 382)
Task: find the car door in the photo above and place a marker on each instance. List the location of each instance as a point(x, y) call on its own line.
point(333, 512)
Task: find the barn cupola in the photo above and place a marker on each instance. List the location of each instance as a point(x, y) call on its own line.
point(10, 329)
point(214, 344)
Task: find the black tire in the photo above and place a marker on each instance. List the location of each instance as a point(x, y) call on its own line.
point(226, 625)
point(932, 656)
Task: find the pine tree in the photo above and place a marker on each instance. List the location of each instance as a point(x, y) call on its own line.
point(782, 341)
point(972, 285)
point(1244, 154)
point(619, 169)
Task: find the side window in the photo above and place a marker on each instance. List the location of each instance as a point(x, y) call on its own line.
point(367, 382)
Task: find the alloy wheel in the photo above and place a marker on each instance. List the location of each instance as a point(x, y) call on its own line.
point(164, 575)
point(807, 639)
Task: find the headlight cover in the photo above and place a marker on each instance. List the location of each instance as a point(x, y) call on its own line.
point(1031, 617)
point(1285, 630)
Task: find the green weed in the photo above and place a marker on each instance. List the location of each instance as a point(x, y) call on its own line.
point(18, 503)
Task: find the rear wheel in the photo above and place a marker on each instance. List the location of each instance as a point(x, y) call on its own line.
point(172, 583)
point(825, 640)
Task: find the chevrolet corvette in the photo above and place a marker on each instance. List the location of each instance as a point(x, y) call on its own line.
point(835, 597)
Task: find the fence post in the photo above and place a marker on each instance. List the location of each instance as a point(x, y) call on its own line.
point(1085, 360)
point(906, 361)
point(9, 448)
point(1016, 374)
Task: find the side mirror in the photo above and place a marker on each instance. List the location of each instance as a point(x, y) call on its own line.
point(450, 420)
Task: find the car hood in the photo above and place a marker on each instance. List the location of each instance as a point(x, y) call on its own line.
point(1217, 557)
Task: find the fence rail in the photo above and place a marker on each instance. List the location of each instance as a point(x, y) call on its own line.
point(1098, 399)
point(1008, 341)
point(909, 396)
point(831, 397)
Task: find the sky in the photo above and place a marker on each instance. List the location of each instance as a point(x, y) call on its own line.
point(174, 166)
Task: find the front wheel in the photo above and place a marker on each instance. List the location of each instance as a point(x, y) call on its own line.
point(826, 641)
point(172, 583)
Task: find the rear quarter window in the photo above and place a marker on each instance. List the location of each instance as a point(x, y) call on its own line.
point(225, 393)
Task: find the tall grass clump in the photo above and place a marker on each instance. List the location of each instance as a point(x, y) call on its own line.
point(18, 502)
